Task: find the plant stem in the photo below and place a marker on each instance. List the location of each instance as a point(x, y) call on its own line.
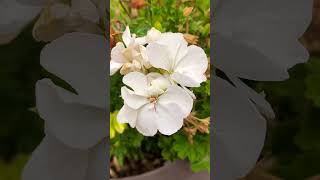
point(124, 8)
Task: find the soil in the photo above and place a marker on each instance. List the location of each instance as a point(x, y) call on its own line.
point(134, 167)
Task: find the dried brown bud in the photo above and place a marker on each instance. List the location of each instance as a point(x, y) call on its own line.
point(187, 11)
point(137, 4)
point(191, 39)
point(134, 13)
point(181, 28)
point(112, 39)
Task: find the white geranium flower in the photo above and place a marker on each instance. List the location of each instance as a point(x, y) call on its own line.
point(58, 18)
point(76, 127)
point(54, 160)
point(77, 120)
point(130, 55)
point(261, 36)
point(255, 40)
point(153, 104)
point(185, 64)
point(14, 16)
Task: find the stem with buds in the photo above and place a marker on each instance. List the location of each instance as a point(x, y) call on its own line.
point(192, 125)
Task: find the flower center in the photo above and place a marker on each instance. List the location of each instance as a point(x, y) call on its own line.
point(153, 99)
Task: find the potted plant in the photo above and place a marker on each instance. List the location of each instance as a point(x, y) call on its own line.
point(160, 90)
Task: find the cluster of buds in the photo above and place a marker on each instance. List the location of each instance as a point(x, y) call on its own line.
point(192, 125)
point(130, 55)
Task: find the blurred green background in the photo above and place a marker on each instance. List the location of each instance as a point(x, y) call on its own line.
point(293, 142)
point(21, 129)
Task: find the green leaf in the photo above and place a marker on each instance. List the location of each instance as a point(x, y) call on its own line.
point(196, 152)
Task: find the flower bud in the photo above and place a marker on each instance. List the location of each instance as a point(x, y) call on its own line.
point(153, 35)
point(144, 58)
point(187, 11)
point(137, 4)
point(191, 39)
point(130, 67)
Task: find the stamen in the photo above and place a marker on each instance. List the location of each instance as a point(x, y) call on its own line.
point(153, 100)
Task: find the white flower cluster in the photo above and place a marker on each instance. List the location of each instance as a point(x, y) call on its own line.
point(158, 68)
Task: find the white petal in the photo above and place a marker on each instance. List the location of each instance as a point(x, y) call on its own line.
point(188, 79)
point(117, 53)
point(167, 114)
point(14, 16)
point(114, 67)
point(127, 115)
point(160, 82)
point(195, 61)
point(193, 96)
point(86, 9)
point(146, 123)
point(263, 106)
point(178, 96)
point(263, 56)
point(137, 81)
point(48, 28)
point(76, 125)
point(176, 45)
point(259, 17)
point(140, 41)
point(98, 163)
point(238, 134)
point(80, 59)
point(165, 117)
point(169, 117)
point(251, 63)
point(153, 35)
point(158, 56)
point(54, 160)
point(144, 57)
point(131, 99)
point(126, 36)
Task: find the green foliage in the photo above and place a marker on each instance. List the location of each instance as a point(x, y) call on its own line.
point(21, 130)
point(197, 153)
point(115, 126)
point(178, 147)
point(116, 101)
point(294, 138)
point(126, 144)
point(202, 103)
point(312, 81)
point(11, 170)
point(167, 16)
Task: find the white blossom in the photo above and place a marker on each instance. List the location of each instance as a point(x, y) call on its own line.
point(153, 104)
point(75, 123)
point(255, 40)
point(130, 55)
point(185, 64)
